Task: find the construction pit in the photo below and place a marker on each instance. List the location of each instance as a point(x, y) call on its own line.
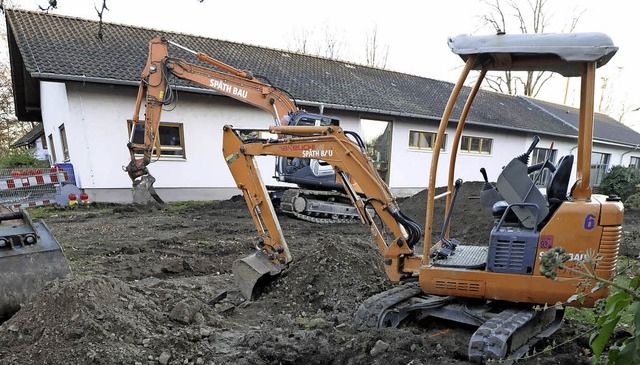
point(154, 286)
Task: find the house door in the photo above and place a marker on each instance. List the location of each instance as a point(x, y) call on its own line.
point(377, 137)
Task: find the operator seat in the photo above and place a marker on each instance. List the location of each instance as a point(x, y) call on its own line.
point(556, 191)
point(559, 183)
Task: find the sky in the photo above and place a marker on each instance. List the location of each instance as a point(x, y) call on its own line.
point(415, 32)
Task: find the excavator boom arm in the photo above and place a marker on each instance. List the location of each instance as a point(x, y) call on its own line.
point(155, 91)
point(331, 145)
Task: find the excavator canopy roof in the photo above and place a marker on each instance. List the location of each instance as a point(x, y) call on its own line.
point(564, 53)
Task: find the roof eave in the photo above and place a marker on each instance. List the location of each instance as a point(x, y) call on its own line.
point(100, 80)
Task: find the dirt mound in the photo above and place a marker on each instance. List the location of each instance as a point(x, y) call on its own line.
point(155, 287)
point(469, 224)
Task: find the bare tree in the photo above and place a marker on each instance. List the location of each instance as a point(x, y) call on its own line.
point(332, 44)
point(10, 128)
point(300, 42)
point(102, 9)
point(53, 4)
point(528, 16)
point(376, 53)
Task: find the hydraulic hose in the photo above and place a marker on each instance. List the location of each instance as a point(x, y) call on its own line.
point(413, 229)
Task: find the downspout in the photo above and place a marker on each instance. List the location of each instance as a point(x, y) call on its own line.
point(573, 149)
point(624, 153)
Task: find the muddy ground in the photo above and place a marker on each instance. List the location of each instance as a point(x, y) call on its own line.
point(154, 286)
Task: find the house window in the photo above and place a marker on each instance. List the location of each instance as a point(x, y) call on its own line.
point(540, 155)
point(52, 149)
point(63, 140)
point(425, 140)
point(170, 139)
point(476, 145)
point(635, 162)
point(599, 166)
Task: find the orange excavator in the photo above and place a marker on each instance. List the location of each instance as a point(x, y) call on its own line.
point(497, 285)
point(318, 196)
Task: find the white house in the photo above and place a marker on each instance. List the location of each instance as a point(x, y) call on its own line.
point(83, 89)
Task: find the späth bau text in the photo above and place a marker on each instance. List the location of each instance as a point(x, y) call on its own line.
point(226, 88)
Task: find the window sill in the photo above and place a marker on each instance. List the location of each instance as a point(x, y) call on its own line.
point(423, 150)
point(475, 154)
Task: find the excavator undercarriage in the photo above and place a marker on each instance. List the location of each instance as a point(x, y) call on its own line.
point(504, 331)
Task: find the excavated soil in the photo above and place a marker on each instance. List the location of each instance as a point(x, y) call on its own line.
point(154, 286)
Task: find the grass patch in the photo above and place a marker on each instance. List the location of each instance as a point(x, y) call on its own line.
point(185, 205)
point(107, 208)
point(60, 211)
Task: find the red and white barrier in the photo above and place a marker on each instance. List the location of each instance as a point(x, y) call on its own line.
point(34, 177)
point(33, 187)
point(31, 204)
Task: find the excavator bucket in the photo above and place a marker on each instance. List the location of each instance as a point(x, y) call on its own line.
point(144, 192)
point(252, 272)
point(29, 257)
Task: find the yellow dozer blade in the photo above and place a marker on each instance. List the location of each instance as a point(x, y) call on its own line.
point(29, 257)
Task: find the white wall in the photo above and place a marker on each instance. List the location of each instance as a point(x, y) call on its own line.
point(55, 111)
point(410, 167)
point(95, 119)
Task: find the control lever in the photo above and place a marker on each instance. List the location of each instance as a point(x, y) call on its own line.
point(524, 158)
point(489, 194)
point(448, 244)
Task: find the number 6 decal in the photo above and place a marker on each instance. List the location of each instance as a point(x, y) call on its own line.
point(590, 222)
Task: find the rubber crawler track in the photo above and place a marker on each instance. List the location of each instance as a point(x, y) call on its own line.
point(368, 314)
point(289, 196)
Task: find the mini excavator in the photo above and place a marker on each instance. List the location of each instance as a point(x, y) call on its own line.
point(497, 285)
point(317, 197)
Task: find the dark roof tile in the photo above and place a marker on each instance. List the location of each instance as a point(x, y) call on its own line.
point(59, 47)
point(605, 128)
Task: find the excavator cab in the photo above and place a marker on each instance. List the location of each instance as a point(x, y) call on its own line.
point(307, 172)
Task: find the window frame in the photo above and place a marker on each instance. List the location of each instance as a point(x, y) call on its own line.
point(634, 161)
point(599, 168)
point(479, 151)
point(63, 140)
point(53, 149)
point(431, 136)
point(161, 151)
point(540, 155)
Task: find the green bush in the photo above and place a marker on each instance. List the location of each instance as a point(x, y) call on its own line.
point(21, 158)
point(621, 181)
point(633, 202)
